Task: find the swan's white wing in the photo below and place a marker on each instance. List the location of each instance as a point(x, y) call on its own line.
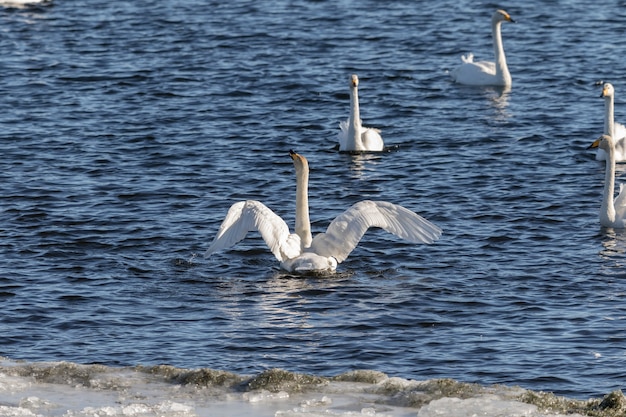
point(370, 136)
point(247, 216)
point(475, 73)
point(345, 232)
point(620, 203)
point(343, 133)
point(372, 141)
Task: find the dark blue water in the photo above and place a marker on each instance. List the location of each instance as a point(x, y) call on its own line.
point(129, 128)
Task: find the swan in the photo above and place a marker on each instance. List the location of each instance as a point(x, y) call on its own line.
point(612, 211)
point(353, 136)
point(299, 252)
point(615, 130)
point(486, 72)
point(23, 3)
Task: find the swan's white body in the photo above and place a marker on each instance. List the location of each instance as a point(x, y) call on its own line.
point(612, 210)
point(23, 3)
point(353, 136)
point(487, 72)
point(615, 130)
point(300, 252)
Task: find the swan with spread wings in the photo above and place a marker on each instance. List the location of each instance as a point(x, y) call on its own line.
point(299, 252)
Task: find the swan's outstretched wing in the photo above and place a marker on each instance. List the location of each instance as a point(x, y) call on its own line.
point(247, 216)
point(345, 232)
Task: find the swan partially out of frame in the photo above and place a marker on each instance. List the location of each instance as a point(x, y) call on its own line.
point(353, 135)
point(299, 252)
point(612, 210)
point(487, 72)
point(615, 130)
point(24, 3)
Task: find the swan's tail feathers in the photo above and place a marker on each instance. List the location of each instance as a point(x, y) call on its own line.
point(467, 59)
point(345, 232)
point(250, 215)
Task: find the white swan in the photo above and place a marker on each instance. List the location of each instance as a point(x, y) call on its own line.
point(486, 72)
point(615, 130)
point(299, 251)
point(612, 210)
point(353, 136)
point(23, 3)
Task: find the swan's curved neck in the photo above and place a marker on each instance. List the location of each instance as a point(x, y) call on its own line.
point(354, 127)
point(502, 71)
point(607, 210)
point(303, 223)
point(609, 123)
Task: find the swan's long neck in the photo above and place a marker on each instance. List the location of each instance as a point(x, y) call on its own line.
point(303, 223)
point(502, 70)
point(354, 127)
point(607, 210)
point(609, 121)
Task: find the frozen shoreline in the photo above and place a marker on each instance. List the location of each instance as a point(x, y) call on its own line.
point(67, 389)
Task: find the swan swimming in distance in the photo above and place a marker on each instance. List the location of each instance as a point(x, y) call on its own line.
point(353, 136)
point(615, 130)
point(486, 72)
point(301, 253)
point(23, 3)
point(612, 210)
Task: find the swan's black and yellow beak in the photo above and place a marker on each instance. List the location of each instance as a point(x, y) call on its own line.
point(298, 160)
point(605, 91)
point(354, 79)
point(595, 144)
point(509, 18)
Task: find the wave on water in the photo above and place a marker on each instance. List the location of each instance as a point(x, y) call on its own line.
point(74, 390)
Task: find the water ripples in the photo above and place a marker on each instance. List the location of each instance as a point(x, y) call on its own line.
point(129, 129)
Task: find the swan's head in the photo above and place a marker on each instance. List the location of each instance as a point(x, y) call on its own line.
point(607, 90)
point(299, 161)
point(354, 81)
point(502, 16)
point(604, 142)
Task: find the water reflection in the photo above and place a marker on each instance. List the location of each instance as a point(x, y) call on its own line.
point(614, 246)
point(499, 99)
point(362, 163)
point(287, 299)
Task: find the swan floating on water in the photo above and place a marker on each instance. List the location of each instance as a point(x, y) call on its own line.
point(615, 130)
point(301, 253)
point(23, 3)
point(612, 210)
point(353, 136)
point(487, 72)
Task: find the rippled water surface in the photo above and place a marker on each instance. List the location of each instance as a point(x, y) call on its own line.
point(129, 128)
